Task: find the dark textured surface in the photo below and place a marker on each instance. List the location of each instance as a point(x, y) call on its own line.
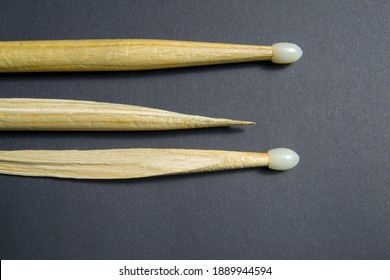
point(332, 107)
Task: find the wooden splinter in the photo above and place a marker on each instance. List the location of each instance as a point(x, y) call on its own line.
point(132, 54)
point(67, 115)
point(136, 163)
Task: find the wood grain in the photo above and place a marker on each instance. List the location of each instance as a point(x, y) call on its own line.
point(58, 114)
point(121, 55)
point(123, 163)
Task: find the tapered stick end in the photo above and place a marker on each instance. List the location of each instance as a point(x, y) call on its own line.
point(217, 122)
point(285, 53)
point(233, 122)
point(282, 159)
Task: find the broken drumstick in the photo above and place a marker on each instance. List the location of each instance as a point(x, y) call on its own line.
point(67, 115)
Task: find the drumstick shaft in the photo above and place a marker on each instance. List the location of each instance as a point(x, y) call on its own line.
point(121, 55)
point(123, 163)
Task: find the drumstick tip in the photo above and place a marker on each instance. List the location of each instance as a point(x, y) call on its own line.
point(284, 53)
point(282, 159)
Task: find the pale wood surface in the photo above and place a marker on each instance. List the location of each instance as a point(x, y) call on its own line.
point(121, 55)
point(123, 163)
point(58, 114)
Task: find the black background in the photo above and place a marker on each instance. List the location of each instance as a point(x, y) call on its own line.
point(331, 107)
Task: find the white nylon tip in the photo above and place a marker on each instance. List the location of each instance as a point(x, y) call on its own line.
point(284, 53)
point(282, 159)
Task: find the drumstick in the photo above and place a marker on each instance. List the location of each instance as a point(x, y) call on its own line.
point(136, 163)
point(57, 114)
point(132, 54)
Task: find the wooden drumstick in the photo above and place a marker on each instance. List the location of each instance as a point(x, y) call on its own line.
point(136, 163)
point(132, 54)
point(57, 114)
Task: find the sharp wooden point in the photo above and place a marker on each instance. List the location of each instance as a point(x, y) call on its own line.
point(234, 122)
